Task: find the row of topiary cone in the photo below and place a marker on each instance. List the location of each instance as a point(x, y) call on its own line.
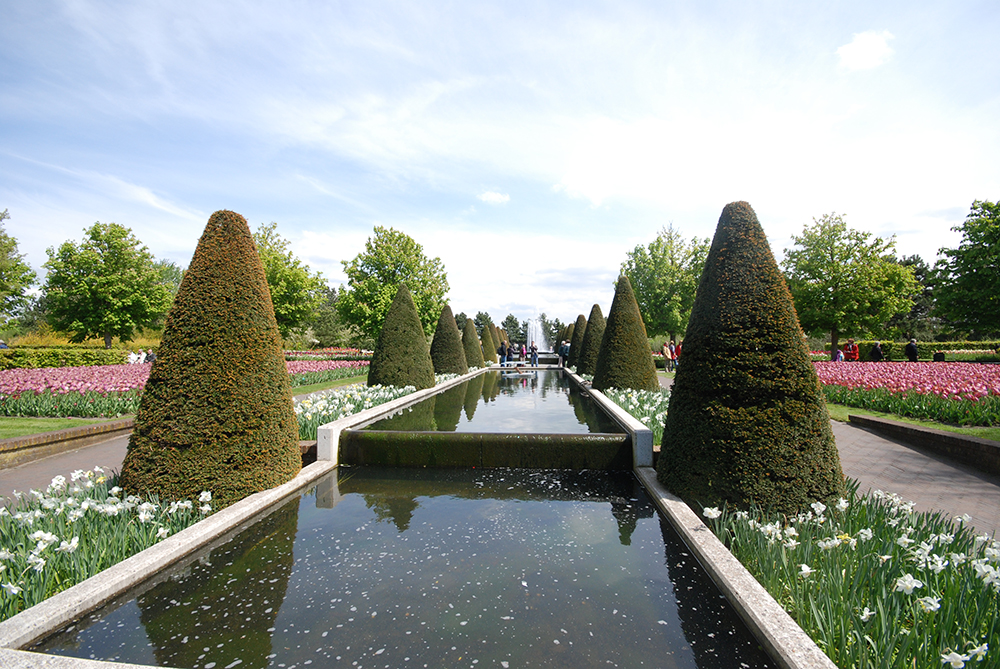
point(746, 419)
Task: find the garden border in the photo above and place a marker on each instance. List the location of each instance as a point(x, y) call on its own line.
point(17, 451)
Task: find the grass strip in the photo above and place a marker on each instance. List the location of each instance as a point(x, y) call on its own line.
point(20, 427)
point(840, 412)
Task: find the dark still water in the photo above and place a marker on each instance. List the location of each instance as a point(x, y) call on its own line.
point(434, 568)
point(543, 402)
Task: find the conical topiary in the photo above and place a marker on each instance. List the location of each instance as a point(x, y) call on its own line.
point(489, 347)
point(747, 420)
point(216, 413)
point(447, 353)
point(587, 362)
point(579, 330)
point(495, 333)
point(470, 343)
point(401, 357)
point(624, 360)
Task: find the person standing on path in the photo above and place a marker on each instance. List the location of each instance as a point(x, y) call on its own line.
point(534, 354)
point(911, 351)
point(851, 352)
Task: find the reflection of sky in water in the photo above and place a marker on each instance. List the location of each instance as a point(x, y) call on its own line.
point(431, 568)
point(541, 404)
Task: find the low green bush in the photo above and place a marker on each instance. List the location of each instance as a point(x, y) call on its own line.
point(34, 358)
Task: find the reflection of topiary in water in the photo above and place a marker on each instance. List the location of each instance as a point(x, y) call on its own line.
point(472, 395)
point(216, 413)
point(447, 352)
point(579, 331)
point(448, 407)
point(591, 346)
point(473, 348)
point(747, 420)
point(624, 360)
point(401, 357)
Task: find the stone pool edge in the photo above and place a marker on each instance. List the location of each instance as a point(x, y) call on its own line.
point(785, 642)
point(642, 436)
point(44, 618)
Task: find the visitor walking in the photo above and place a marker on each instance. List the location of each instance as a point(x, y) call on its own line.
point(851, 352)
point(563, 352)
point(911, 351)
point(502, 352)
point(534, 354)
point(677, 354)
point(876, 355)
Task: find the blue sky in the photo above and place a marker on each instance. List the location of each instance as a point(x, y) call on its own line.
point(529, 145)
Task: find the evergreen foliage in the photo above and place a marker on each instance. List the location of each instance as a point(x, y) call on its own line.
point(747, 421)
point(473, 348)
point(447, 352)
point(568, 337)
point(624, 360)
point(401, 356)
point(489, 347)
point(216, 413)
point(591, 346)
point(579, 330)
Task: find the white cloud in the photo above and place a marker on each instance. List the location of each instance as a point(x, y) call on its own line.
point(492, 197)
point(867, 50)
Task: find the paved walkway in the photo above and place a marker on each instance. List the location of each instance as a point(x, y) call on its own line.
point(933, 482)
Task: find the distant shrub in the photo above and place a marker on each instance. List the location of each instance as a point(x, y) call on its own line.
point(447, 352)
point(401, 356)
point(579, 330)
point(591, 346)
point(624, 360)
point(473, 347)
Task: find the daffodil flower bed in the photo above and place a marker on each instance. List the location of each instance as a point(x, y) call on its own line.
point(327, 406)
point(54, 539)
point(648, 406)
point(872, 582)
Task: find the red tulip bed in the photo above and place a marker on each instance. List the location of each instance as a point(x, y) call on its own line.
point(948, 392)
point(114, 390)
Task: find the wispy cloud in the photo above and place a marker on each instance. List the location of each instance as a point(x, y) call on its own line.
point(867, 50)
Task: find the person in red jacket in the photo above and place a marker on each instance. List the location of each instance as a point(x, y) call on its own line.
point(851, 352)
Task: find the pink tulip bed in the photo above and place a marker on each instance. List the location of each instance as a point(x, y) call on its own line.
point(948, 392)
point(114, 390)
point(331, 353)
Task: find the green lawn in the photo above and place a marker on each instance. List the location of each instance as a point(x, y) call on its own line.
point(840, 412)
point(19, 427)
point(305, 390)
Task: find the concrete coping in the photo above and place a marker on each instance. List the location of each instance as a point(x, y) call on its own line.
point(642, 436)
point(70, 433)
point(784, 640)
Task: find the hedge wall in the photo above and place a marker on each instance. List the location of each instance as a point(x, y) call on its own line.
point(34, 358)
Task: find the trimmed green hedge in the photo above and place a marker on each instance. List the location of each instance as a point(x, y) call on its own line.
point(591, 346)
point(747, 421)
point(401, 356)
point(34, 358)
point(216, 413)
point(579, 332)
point(447, 352)
point(893, 350)
point(472, 346)
point(624, 360)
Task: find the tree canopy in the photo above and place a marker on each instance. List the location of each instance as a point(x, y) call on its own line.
point(296, 292)
point(16, 276)
point(105, 287)
point(968, 293)
point(664, 275)
point(512, 327)
point(391, 258)
point(844, 281)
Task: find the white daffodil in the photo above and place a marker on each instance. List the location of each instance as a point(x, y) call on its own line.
point(11, 589)
point(954, 659)
point(907, 584)
point(711, 512)
point(979, 652)
point(866, 615)
point(843, 504)
point(865, 534)
point(929, 604)
point(818, 507)
point(205, 496)
point(162, 533)
point(69, 546)
point(805, 570)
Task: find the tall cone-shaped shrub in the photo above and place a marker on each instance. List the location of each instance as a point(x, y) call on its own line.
point(401, 356)
point(624, 360)
point(591, 347)
point(447, 352)
point(746, 420)
point(216, 413)
point(470, 342)
point(579, 331)
point(489, 347)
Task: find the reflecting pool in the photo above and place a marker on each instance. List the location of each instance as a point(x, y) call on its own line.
point(540, 402)
point(430, 568)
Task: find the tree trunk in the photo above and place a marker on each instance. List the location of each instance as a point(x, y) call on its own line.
point(834, 342)
point(107, 340)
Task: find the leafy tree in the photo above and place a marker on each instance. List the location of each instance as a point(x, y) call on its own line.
point(216, 413)
point(401, 356)
point(845, 282)
point(664, 275)
point(391, 258)
point(106, 287)
point(747, 421)
point(331, 330)
point(296, 292)
point(481, 320)
point(15, 274)
point(969, 290)
point(512, 327)
point(171, 275)
point(920, 322)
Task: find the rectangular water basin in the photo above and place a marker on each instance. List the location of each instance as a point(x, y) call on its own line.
point(430, 568)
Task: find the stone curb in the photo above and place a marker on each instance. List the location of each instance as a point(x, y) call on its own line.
point(981, 454)
point(20, 450)
point(642, 436)
point(781, 636)
point(46, 617)
point(21, 659)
